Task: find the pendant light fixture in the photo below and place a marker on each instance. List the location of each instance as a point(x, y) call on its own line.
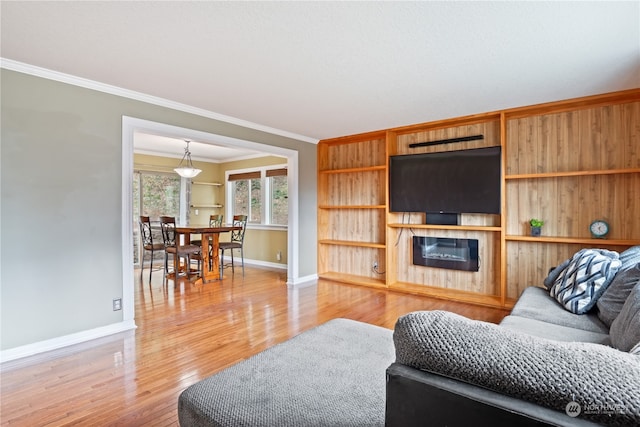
point(187, 171)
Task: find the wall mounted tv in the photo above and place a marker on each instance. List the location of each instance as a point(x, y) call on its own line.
point(449, 182)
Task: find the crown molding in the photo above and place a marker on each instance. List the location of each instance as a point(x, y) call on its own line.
point(45, 73)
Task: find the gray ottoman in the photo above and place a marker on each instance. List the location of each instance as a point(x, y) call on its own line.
point(332, 375)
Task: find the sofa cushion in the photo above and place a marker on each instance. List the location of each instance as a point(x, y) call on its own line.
point(585, 278)
point(550, 331)
point(611, 302)
point(625, 330)
point(536, 303)
point(546, 372)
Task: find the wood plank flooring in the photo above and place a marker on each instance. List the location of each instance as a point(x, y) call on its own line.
point(185, 333)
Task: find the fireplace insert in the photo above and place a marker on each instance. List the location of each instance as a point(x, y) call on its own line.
point(440, 252)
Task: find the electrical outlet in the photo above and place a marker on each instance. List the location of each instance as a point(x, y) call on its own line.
point(375, 265)
point(117, 304)
point(279, 256)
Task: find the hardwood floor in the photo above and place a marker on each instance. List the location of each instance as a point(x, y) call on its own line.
point(186, 333)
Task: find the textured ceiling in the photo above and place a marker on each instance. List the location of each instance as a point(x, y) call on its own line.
point(164, 146)
point(327, 69)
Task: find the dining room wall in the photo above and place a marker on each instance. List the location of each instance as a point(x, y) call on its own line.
point(61, 256)
point(263, 243)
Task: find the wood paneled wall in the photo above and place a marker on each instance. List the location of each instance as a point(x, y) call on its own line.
point(567, 162)
point(599, 138)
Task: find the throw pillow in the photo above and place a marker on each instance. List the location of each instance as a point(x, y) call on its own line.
point(630, 257)
point(625, 330)
point(585, 278)
point(611, 302)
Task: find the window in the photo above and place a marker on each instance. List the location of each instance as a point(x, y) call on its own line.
point(279, 202)
point(259, 194)
point(154, 195)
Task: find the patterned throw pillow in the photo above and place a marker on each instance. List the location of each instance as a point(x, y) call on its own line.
point(585, 278)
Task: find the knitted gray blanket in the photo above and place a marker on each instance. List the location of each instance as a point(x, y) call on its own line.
point(605, 382)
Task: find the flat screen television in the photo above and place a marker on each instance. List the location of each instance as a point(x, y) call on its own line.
point(450, 182)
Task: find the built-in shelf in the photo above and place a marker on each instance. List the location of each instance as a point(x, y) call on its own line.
point(215, 184)
point(352, 243)
point(452, 294)
point(447, 227)
point(355, 170)
point(353, 279)
point(575, 240)
point(572, 173)
point(352, 206)
point(208, 197)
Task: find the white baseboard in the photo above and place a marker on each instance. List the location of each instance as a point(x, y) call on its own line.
point(238, 261)
point(301, 282)
point(64, 341)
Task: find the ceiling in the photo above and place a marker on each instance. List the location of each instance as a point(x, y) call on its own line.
point(164, 146)
point(318, 70)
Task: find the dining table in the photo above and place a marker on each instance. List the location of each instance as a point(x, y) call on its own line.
point(210, 253)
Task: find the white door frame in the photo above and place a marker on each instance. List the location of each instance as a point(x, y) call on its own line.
point(129, 126)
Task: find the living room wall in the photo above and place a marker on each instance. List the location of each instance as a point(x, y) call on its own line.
point(61, 171)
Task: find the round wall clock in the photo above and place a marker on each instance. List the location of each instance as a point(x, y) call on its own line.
point(599, 229)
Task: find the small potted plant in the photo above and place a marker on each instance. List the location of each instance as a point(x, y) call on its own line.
point(536, 226)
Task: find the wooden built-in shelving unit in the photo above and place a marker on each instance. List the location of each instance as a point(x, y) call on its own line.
point(352, 208)
point(567, 162)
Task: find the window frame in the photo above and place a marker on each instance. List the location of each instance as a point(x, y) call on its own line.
point(265, 195)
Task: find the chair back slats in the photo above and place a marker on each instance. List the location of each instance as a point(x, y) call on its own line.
point(215, 220)
point(145, 232)
point(168, 225)
point(239, 221)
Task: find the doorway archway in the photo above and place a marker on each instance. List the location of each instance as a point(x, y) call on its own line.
point(129, 126)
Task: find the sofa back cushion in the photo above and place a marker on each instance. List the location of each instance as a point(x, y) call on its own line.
point(611, 302)
point(625, 330)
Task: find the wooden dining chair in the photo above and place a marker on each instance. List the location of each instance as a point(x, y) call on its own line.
point(172, 246)
point(236, 242)
point(214, 221)
point(146, 238)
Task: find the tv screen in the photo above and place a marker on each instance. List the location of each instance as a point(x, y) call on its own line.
point(461, 181)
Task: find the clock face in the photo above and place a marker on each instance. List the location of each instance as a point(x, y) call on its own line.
point(599, 228)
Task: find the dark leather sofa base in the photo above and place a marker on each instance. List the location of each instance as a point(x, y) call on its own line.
point(419, 398)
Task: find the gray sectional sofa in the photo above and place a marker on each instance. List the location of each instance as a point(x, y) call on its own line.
point(543, 365)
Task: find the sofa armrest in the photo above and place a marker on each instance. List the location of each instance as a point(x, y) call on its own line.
point(414, 396)
point(605, 382)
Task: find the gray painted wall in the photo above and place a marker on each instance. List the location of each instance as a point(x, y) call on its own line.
point(60, 211)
